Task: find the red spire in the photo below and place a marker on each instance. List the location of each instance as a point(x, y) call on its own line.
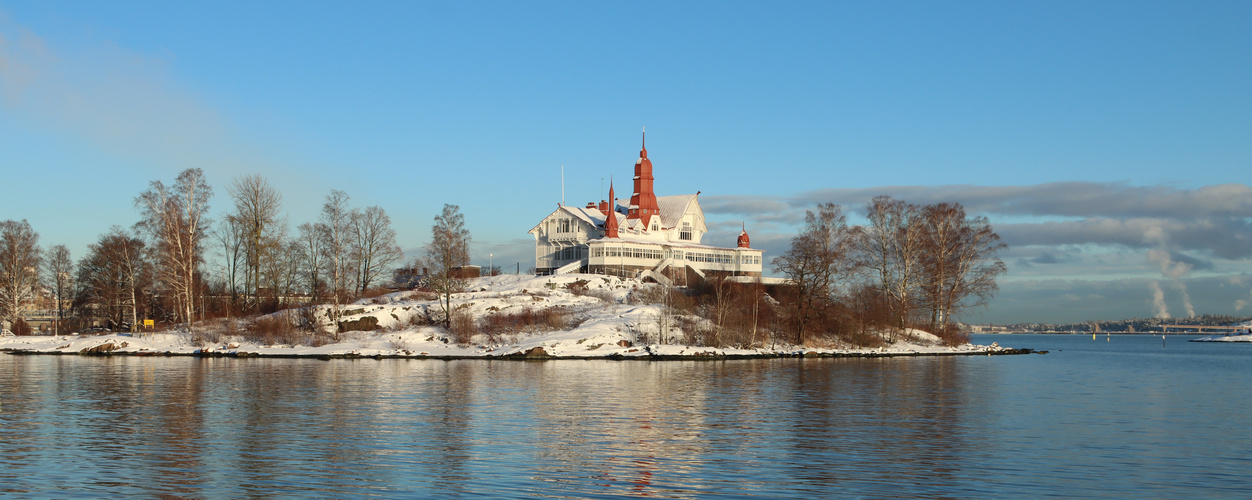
point(643, 201)
point(743, 237)
point(610, 216)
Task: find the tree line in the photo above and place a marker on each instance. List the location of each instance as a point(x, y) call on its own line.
point(910, 266)
point(175, 265)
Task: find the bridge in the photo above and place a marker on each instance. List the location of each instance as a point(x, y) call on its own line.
point(1202, 327)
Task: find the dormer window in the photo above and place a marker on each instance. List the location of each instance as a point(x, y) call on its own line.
point(685, 233)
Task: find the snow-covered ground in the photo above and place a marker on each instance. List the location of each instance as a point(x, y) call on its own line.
point(607, 325)
point(1234, 337)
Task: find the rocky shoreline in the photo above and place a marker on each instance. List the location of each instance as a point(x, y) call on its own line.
point(535, 354)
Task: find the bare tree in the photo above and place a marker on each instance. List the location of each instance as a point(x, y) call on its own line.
point(335, 231)
point(112, 276)
point(817, 263)
point(19, 267)
point(725, 295)
point(960, 261)
point(310, 254)
point(59, 274)
point(374, 249)
point(447, 251)
point(274, 261)
point(230, 237)
point(257, 215)
point(292, 263)
point(175, 218)
point(892, 249)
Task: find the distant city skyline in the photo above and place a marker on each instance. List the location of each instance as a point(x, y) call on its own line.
point(1107, 142)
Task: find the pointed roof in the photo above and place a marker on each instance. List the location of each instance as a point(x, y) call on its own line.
point(610, 219)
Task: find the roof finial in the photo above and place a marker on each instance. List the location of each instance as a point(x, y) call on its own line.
point(643, 152)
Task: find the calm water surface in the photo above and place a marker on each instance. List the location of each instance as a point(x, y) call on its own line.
point(1116, 418)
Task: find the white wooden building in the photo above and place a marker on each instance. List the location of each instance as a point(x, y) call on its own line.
point(647, 236)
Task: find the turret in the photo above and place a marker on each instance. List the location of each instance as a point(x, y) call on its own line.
point(643, 201)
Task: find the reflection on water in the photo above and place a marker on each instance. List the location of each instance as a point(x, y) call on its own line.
point(906, 428)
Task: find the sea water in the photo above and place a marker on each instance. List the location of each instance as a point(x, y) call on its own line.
point(1114, 417)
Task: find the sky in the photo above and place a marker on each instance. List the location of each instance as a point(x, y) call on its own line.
point(1108, 143)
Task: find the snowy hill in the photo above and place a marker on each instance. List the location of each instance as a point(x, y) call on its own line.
point(571, 315)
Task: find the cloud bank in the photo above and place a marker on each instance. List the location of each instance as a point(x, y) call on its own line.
point(1084, 231)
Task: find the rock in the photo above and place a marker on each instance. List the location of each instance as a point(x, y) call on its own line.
point(625, 343)
point(232, 345)
point(536, 352)
point(100, 349)
point(364, 324)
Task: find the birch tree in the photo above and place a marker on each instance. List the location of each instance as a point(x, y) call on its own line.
point(892, 250)
point(175, 219)
point(334, 230)
point(19, 267)
point(961, 261)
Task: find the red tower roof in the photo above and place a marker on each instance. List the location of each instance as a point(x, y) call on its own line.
point(610, 216)
point(743, 238)
point(643, 201)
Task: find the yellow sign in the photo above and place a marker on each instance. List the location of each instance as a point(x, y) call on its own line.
point(147, 323)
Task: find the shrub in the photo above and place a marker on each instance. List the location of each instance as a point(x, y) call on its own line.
point(528, 319)
point(319, 339)
point(270, 330)
point(605, 296)
point(20, 327)
point(953, 336)
point(462, 326)
point(422, 296)
point(398, 343)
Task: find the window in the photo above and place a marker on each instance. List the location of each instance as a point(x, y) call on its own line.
point(685, 233)
point(562, 226)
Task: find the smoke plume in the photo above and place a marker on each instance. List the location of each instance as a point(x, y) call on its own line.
point(1158, 301)
point(1176, 271)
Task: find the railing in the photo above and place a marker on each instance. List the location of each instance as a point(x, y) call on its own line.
point(572, 267)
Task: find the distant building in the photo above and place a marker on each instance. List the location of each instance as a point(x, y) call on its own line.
point(645, 236)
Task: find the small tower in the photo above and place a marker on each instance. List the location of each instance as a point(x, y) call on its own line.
point(610, 215)
point(643, 201)
point(743, 237)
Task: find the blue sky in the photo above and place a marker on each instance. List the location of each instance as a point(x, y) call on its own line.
point(1108, 142)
